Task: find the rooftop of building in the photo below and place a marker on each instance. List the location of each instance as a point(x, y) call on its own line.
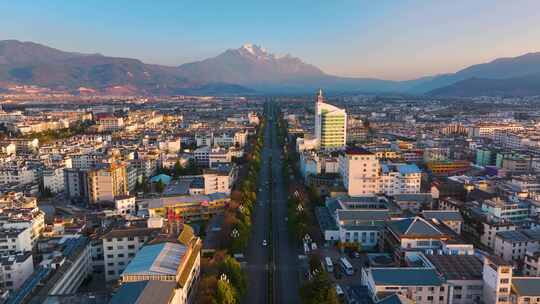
point(526, 286)
point(426, 198)
point(414, 227)
point(363, 215)
point(130, 232)
point(442, 215)
point(525, 235)
point(157, 259)
point(164, 178)
point(357, 151)
point(388, 276)
point(185, 199)
point(144, 292)
point(325, 219)
point(401, 168)
point(15, 258)
point(78, 298)
point(458, 267)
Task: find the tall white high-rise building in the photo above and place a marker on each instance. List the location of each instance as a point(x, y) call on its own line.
point(330, 125)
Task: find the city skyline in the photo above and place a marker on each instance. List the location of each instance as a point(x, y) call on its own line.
point(386, 40)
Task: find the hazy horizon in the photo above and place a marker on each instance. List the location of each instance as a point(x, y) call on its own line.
point(386, 40)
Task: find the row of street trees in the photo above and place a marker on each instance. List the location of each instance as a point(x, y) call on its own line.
point(223, 280)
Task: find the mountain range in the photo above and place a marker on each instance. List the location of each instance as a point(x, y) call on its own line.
point(249, 69)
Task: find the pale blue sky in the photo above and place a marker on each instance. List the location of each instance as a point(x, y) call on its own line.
point(390, 39)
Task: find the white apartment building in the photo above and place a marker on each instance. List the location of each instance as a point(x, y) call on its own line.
point(84, 161)
point(427, 287)
point(491, 228)
point(202, 155)
point(170, 145)
point(497, 277)
point(15, 269)
point(120, 246)
point(488, 130)
point(218, 156)
point(359, 170)
point(310, 164)
point(15, 240)
point(18, 174)
point(230, 138)
point(72, 268)
point(22, 219)
point(53, 179)
point(125, 205)
point(217, 182)
point(531, 265)
point(399, 179)
point(362, 173)
point(512, 246)
point(204, 139)
point(110, 123)
point(512, 209)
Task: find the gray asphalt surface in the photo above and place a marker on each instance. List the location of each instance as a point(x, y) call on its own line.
point(285, 255)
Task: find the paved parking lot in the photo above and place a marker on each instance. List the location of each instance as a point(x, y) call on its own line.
point(351, 285)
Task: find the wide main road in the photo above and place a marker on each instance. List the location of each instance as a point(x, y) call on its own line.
point(257, 254)
point(284, 251)
point(271, 197)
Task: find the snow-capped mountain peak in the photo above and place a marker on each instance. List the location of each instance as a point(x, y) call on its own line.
point(254, 50)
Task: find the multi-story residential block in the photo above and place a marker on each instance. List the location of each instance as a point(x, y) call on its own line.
point(69, 267)
point(512, 209)
point(512, 246)
point(488, 130)
point(497, 278)
point(218, 156)
point(359, 170)
point(427, 286)
point(463, 274)
point(120, 246)
point(125, 205)
point(53, 179)
point(23, 218)
point(525, 290)
point(76, 184)
point(108, 123)
point(490, 228)
point(399, 178)
point(15, 240)
point(531, 266)
point(18, 173)
point(354, 220)
point(15, 269)
point(107, 181)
